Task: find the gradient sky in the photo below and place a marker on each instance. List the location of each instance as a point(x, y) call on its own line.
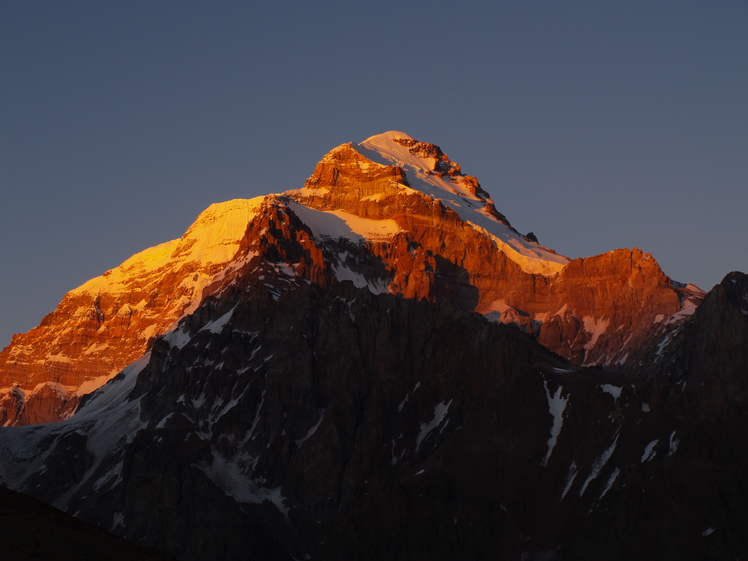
point(596, 125)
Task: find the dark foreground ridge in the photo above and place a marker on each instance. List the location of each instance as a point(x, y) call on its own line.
point(31, 529)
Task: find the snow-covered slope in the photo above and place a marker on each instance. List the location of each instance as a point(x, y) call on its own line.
point(336, 224)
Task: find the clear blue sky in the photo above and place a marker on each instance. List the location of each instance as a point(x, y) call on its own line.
point(596, 125)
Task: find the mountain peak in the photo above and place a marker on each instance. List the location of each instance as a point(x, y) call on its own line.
point(430, 171)
point(393, 214)
point(378, 177)
point(429, 165)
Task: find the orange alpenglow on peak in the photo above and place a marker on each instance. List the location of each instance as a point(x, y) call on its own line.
point(391, 215)
point(105, 324)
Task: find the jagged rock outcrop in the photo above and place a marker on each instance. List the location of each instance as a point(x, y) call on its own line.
point(608, 306)
point(707, 357)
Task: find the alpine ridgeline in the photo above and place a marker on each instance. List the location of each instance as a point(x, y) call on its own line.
point(391, 214)
point(307, 377)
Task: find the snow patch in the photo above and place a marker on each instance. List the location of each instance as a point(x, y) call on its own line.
point(595, 327)
point(375, 286)
point(336, 224)
point(407, 397)
point(162, 422)
point(649, 451)
point(440, 412)
point(227, 407)
point(217, 325)
point(111, 478)
point(198, 403)
point(256, 420)
point(570, 479)
point(611, 480)
point(599, 464)
point(672, 444)
point(59, 357)
point(556, 405)
point(615, 391)
point(96, 348)
point(311, 431)
point(688, 309)
point(178, 337)
point(664, 343)
point(229, 476)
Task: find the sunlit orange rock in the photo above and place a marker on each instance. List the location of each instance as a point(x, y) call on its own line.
point(392, 213)
point(105, 324)
point(595, 310)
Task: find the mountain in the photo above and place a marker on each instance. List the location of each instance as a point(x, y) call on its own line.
point(382, 367)
point(393, 214)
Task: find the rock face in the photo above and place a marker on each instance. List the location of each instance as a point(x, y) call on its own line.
point(102, 326)
point(392, 214)
point(284, 420)
point(598, 310)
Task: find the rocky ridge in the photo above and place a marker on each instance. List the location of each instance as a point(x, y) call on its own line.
point(107, 323)
point(693, 357)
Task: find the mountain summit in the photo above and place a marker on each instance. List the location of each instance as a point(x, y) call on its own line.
point(392, 214)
